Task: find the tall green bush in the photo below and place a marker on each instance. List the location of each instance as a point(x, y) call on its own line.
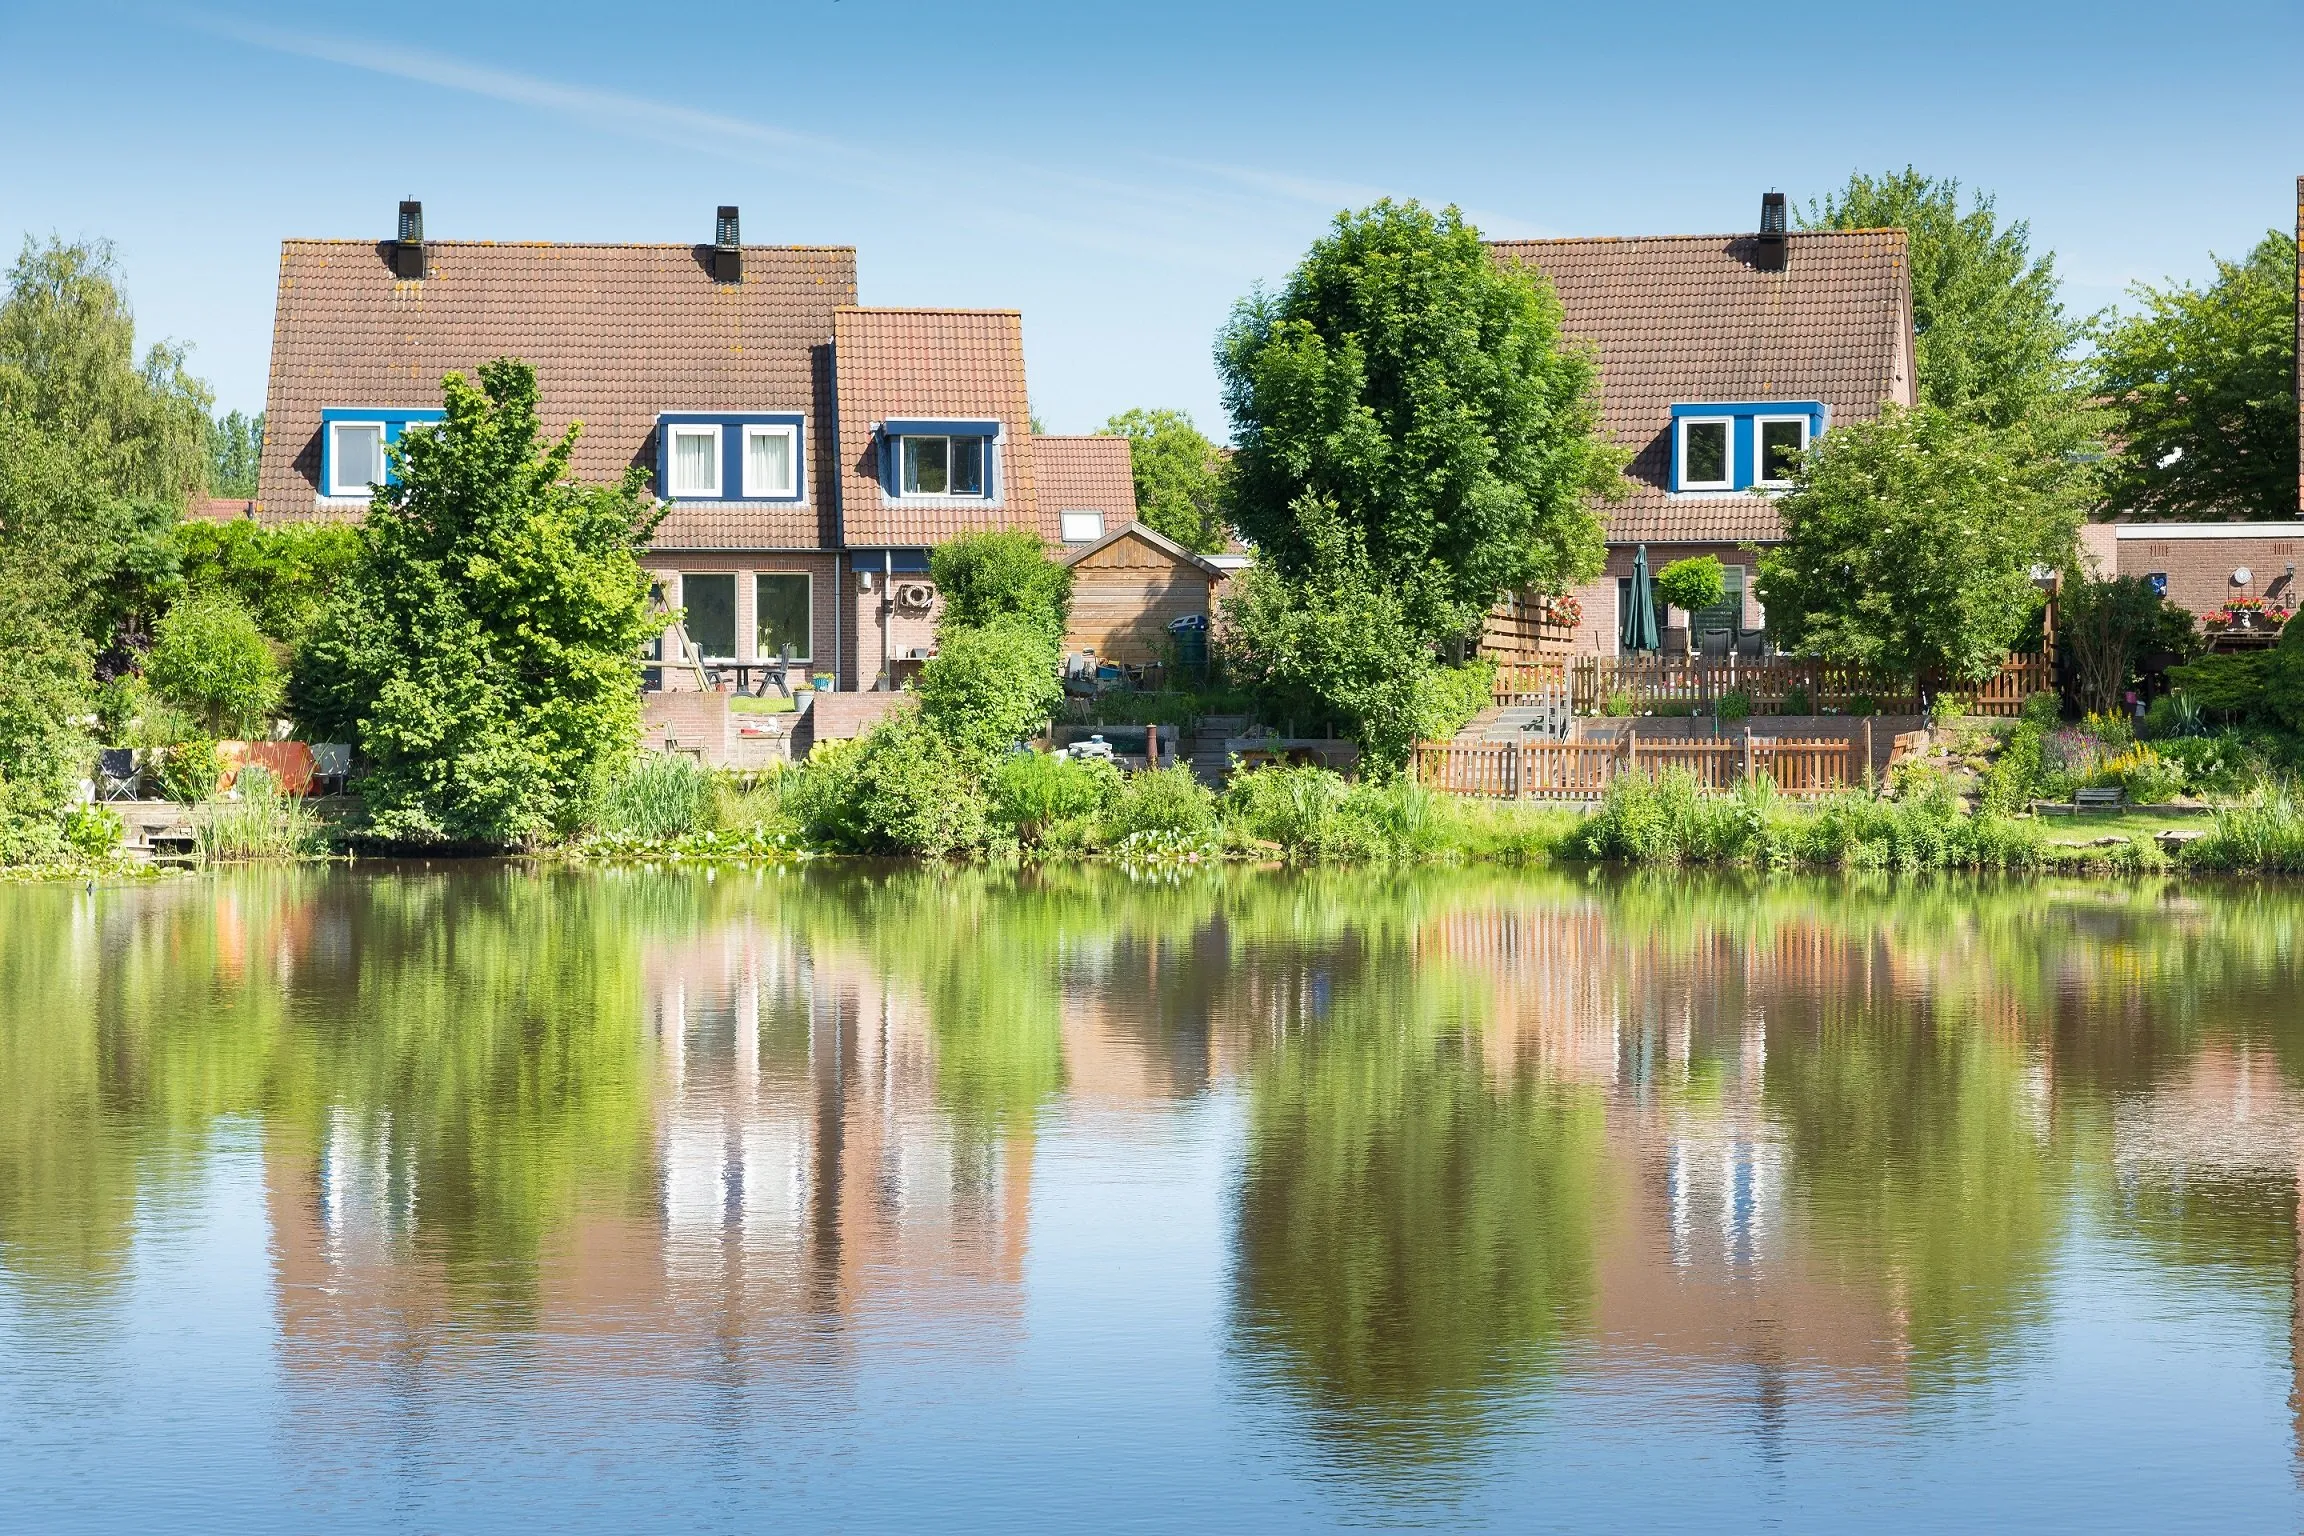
point(989, 687)
point(209, 659)
point(481, 651)
point(986, 579)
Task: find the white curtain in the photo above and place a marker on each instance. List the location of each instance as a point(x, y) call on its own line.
point(692, 468)
point(768, 464)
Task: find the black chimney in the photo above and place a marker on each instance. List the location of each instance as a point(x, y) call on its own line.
point(1768, 252)
point(727, 249)
point(408, 252)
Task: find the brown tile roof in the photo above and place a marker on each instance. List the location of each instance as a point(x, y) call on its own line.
point(618, 334)
point(930, 364)
point(1689, 318)
point(219, 509)
point(1083, 474)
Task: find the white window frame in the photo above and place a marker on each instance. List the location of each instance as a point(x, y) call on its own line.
point(674, 431)
point(336, 487)
point(1759, 453)
point(1680, 453)
point(1064, 522)
point(791, 436)
point(807, 656)
point(947, 438)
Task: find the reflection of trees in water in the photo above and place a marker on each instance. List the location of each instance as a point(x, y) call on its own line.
point(1414, 1237)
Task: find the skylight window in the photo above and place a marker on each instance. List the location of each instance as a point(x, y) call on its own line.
point(1081, 527)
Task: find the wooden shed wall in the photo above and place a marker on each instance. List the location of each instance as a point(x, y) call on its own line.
point(1125, 595)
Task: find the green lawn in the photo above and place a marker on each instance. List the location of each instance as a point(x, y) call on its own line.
point(2134, 821)
point(745, 704)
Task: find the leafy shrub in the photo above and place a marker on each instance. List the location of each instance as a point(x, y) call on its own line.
point(209, 658)
point(1034, 791)
point(2014, 777)
point(1292, 806)
point(1618, 704)
point(2173, 716)
point(1168, 799)
point(659, 795)
point(988, 579)
point(1735, 704)
point(189, 770)
point(2228, 685)
point(1453, 695)
point(2264, 833)
point(2212, 765)
point(1863, 704)
point(1797, 702)
point(2142, 774)
point(2112, 728)
point(94, 832)
point(898, 789)
point(988, 688)
point(2043, 709)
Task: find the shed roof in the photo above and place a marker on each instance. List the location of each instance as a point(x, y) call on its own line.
point(1146, 534)
point(1686, 318)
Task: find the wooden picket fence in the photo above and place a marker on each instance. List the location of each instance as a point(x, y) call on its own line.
point(1639, 683)
point(1582, 770)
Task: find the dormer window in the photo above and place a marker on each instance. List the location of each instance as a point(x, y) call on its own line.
point(943, 466)
point(694, 458)
point(355, 457)
point(1705, 453)
point(1782, 440)
point(356, 443)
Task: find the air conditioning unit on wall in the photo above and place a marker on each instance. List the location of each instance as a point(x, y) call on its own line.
point(915, 594)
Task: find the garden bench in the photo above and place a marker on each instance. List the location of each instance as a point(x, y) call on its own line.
point(2110, 798)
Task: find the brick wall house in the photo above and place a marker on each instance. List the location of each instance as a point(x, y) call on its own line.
point(1719, 355)
point(809, 450)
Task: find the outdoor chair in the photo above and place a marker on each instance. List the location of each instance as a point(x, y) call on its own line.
point(1713, 644)
point(116, 777)
point(1752, 645)
point(331, 767)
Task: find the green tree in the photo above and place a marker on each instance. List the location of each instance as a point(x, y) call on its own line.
point(1406, 383)
point(2202, 384)
point(1994, 345)
point(1179, 476)
point(44, 689)
point(481, 651)
point(68, 365)
point(1694, 583)
point(282, 575)
point(209, 658)
point(2106, 627)
point(1910, 542)
point(989, 687)
point(986, 578)
point(235, 446)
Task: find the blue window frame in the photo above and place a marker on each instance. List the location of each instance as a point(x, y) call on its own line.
point(732, 456)
point(356, 443)
point(1741, 445)
point(940, 460)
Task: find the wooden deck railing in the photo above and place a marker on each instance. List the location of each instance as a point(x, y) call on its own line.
point(1779, 685)
point(1583, 770)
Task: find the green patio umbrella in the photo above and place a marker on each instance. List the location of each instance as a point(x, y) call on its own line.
point(1636, 626)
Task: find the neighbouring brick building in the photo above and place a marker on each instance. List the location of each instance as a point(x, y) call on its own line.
point(810, 450)
point(1720, 355)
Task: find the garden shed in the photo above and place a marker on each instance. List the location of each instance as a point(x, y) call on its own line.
point(1128, 587)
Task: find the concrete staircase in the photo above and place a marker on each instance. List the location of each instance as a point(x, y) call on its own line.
point(1205, 749)
point(1545, 719)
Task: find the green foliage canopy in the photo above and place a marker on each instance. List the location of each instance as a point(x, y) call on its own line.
point(481, 650)
point(1910, 542)
point(1407, 386)
point(1694, 583)
point(2202, 383)
point(990, 686)
point(1179, 476)
point(208, 657)
point(282, 575)
point(988, 578)
point(235, 445)
point(1994, 345)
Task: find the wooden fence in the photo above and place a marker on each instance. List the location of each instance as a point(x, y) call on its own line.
point(1775, 686)
point(1582, 770)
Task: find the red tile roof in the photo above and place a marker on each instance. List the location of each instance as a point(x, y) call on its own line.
point(1689, 318)
point(618, 334)
point(938, 365)
point(1083, 474)
point(219, 509)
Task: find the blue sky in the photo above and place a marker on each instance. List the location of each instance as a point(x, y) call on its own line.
point(1121, 175)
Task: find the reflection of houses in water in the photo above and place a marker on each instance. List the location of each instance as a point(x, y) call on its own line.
point(790, 1162)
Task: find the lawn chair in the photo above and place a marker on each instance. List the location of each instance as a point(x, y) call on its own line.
point(331, 767)
point(116, 776)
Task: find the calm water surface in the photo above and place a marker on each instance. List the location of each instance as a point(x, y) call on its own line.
point(483, 1198)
